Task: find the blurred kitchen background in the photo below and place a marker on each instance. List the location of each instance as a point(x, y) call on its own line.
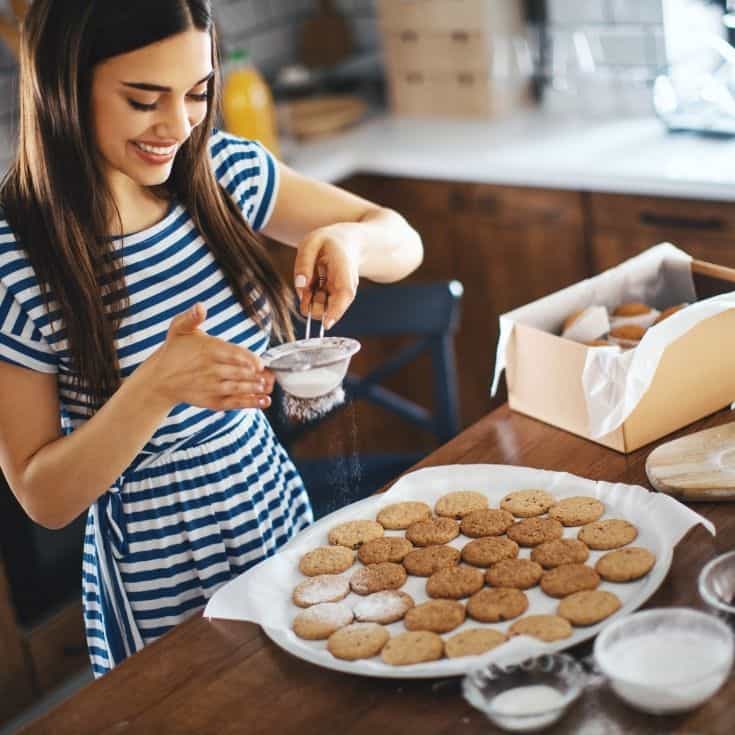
point(532, 144)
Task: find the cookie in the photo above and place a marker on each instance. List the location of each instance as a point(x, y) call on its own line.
point(486, 522)
point(438, 616)
point(484, 552)
point(588, 607)
point(625, 565)
point(383, 607)
point(567, 579)
point(496, 604)
point(357, 641)
point(608, 534)
point(519, 574)
point(399, 516)
point(534, 531)
point(320, 621)
point(323, 588)
point(387, 548)
point(628, 332)
point(527, 503)
point(632, 308)
point(473, 642)
point(454, 583)
point(432, 531)
point(551, 554)
point(577, 511)
point(424, 562)
point(413, 648)
point(354, 534)
point(378, 577)
point(458, 504)
point(326, 560)
point(544, 627)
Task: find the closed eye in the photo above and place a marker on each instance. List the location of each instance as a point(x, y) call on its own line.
point(203, 97)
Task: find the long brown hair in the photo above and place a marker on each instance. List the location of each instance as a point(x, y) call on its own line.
point(57, 200)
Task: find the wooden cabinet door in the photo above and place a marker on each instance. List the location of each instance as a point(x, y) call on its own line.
point(623, 226)
point(503, 268)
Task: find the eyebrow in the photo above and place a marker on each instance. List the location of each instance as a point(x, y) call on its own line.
point(157, 88)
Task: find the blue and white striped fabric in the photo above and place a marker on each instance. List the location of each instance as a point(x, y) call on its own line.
point(211, 493)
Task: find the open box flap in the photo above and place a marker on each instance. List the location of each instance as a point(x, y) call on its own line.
point(614, 382)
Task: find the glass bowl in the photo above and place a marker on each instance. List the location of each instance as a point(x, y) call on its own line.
point(717, 586)
point(529, 696)
point(311, 368)
point(665, 660)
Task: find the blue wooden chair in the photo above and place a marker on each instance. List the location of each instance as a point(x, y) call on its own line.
point(427, 312)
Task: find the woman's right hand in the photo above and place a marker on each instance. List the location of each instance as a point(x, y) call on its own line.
point(196, 368)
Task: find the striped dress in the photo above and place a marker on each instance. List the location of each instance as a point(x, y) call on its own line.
point(213, 492)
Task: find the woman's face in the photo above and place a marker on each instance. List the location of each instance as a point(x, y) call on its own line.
point(146, 103)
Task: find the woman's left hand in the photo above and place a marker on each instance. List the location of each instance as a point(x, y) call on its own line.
point(335, 252)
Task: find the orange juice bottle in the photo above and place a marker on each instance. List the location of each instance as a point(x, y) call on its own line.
point(247, 103)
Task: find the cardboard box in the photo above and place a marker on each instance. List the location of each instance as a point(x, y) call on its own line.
point(695, 378)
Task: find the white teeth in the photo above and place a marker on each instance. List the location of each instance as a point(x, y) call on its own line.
point(156, 150)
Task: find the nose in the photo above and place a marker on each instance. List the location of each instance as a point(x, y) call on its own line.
point(175, 122)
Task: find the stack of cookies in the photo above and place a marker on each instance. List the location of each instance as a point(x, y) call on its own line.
point(626, 326)
point(477, 565)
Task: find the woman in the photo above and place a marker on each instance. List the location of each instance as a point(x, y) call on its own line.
point(135, 299)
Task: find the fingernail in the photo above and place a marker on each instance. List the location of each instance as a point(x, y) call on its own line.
point(300, 281)
point(264, 402)
point(329, 323)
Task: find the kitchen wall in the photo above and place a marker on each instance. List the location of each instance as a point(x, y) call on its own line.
point(603, 55)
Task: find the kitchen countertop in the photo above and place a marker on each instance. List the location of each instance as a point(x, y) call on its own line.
point(535, 148)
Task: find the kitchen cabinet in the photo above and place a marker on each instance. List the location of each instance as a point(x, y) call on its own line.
point(622, 226)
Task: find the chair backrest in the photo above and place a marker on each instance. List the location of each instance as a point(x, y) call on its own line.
point(428, 312)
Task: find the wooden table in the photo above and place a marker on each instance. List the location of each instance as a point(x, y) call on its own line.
point(227, 677)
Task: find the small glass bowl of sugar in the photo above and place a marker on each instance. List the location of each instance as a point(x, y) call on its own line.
point(529, 696)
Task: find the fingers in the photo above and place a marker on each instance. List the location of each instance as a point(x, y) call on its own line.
point(188, 321)
point(304, 268)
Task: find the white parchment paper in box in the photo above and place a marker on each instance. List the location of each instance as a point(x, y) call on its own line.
point(614, 382)
point(263, 593)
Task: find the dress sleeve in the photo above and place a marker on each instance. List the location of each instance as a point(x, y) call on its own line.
point(249, 174)
point(21, 342)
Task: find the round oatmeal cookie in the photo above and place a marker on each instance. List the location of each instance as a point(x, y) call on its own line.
point(383, 607)
point(577, 511)
point(566, 579)
point(458, 504)
point(326, 560)
point(473, 642)
point(320, 621)
point(354, 534)
point(357, 641)
point(519, 574)
point(438, 616)
point(588, 607)
point(413, 648)
point(625, 565)
point(484, 552)
point(322, 588)
point(386, 548)
point(527, 503)
point(486, 522)
point(552, 554)
point(496, 604)
point(454, 583)
point(545, 627)
point(608, 534)
point(424, 562)
point(432, 531)
point(534, 531)
point(378, 577)
point(399, 516)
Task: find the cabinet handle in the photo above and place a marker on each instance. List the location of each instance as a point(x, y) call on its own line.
point(690, 223)
point(466, 78)
point(409, 36)
point(415, 77)
point(460, 36)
